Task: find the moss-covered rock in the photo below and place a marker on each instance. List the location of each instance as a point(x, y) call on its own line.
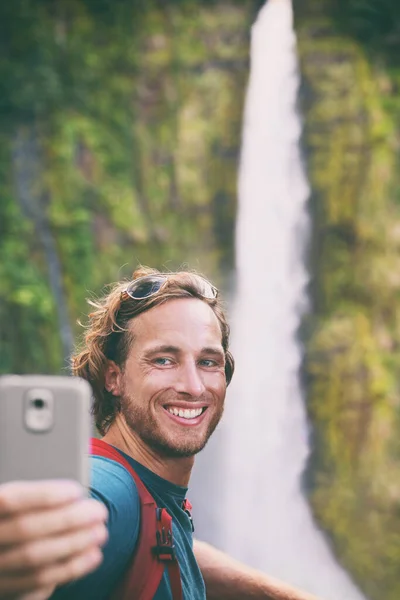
point(353, 334)
point(128, 135)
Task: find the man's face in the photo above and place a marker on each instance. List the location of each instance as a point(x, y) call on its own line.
point(173, 383)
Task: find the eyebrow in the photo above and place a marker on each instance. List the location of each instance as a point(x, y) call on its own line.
point(176, 350)
point(163, 348)
point(213, 351)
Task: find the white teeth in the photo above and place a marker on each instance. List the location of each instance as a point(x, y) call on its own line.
point(185, 413)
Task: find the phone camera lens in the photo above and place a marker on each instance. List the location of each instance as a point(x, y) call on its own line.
point(38, 403)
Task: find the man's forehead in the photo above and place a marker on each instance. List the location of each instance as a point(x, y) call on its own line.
point(180, 315)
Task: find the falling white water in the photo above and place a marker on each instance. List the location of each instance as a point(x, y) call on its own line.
point(266, 520)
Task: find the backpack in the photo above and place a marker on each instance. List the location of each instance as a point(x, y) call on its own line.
point(155, 550)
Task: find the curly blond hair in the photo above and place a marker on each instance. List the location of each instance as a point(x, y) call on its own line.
point(108, 337)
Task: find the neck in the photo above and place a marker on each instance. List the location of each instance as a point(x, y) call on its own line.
point(176, 470)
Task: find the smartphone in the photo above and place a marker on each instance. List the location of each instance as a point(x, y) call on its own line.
point(45, 428)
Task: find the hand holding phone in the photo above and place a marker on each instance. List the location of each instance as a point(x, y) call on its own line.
point(50, 532)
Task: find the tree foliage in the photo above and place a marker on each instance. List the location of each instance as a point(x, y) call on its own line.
point(120, 132)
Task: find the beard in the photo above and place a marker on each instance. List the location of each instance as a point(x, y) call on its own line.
point(158, 438)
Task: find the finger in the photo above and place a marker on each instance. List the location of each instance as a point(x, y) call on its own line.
point(43, 594)
point(36, 525)
point(40, 553)
point(57, 574)
point(21, 496)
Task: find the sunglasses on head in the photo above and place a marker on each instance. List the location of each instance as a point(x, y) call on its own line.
point(150, 285)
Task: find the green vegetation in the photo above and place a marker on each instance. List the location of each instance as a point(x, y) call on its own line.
point(121, 126)
point(353, 336)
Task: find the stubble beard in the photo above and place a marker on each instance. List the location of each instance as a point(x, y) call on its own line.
point(145, 426)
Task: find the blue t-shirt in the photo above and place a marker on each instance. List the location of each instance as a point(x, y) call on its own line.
point(114, 486)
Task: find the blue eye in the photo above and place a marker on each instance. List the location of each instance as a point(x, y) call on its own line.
point(162, 361)
point(207, 362)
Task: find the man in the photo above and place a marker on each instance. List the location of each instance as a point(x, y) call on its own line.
point(156, 353)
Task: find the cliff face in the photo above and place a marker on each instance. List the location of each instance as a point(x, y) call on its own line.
point(120, 147)
point(353, 334)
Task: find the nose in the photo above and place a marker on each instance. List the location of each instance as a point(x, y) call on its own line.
point(189, 380)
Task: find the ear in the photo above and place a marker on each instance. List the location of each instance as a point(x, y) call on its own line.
point(113, 378)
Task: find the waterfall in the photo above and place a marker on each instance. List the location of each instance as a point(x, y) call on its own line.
point(266, 520)
point(247, 483)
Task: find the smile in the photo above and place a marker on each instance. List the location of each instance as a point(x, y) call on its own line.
point(186, 416)
point(185, 413)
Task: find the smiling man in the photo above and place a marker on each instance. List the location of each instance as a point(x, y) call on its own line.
point(156, 352)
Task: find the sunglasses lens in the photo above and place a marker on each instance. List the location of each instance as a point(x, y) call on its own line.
point(145, 287)
point(208, 290)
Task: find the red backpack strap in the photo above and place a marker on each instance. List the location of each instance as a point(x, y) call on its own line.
point(155, 548)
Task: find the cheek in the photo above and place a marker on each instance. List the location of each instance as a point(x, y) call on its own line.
point(157, 380)
point(217, 385)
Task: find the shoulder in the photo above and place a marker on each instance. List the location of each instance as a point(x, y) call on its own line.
point(113, 485)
